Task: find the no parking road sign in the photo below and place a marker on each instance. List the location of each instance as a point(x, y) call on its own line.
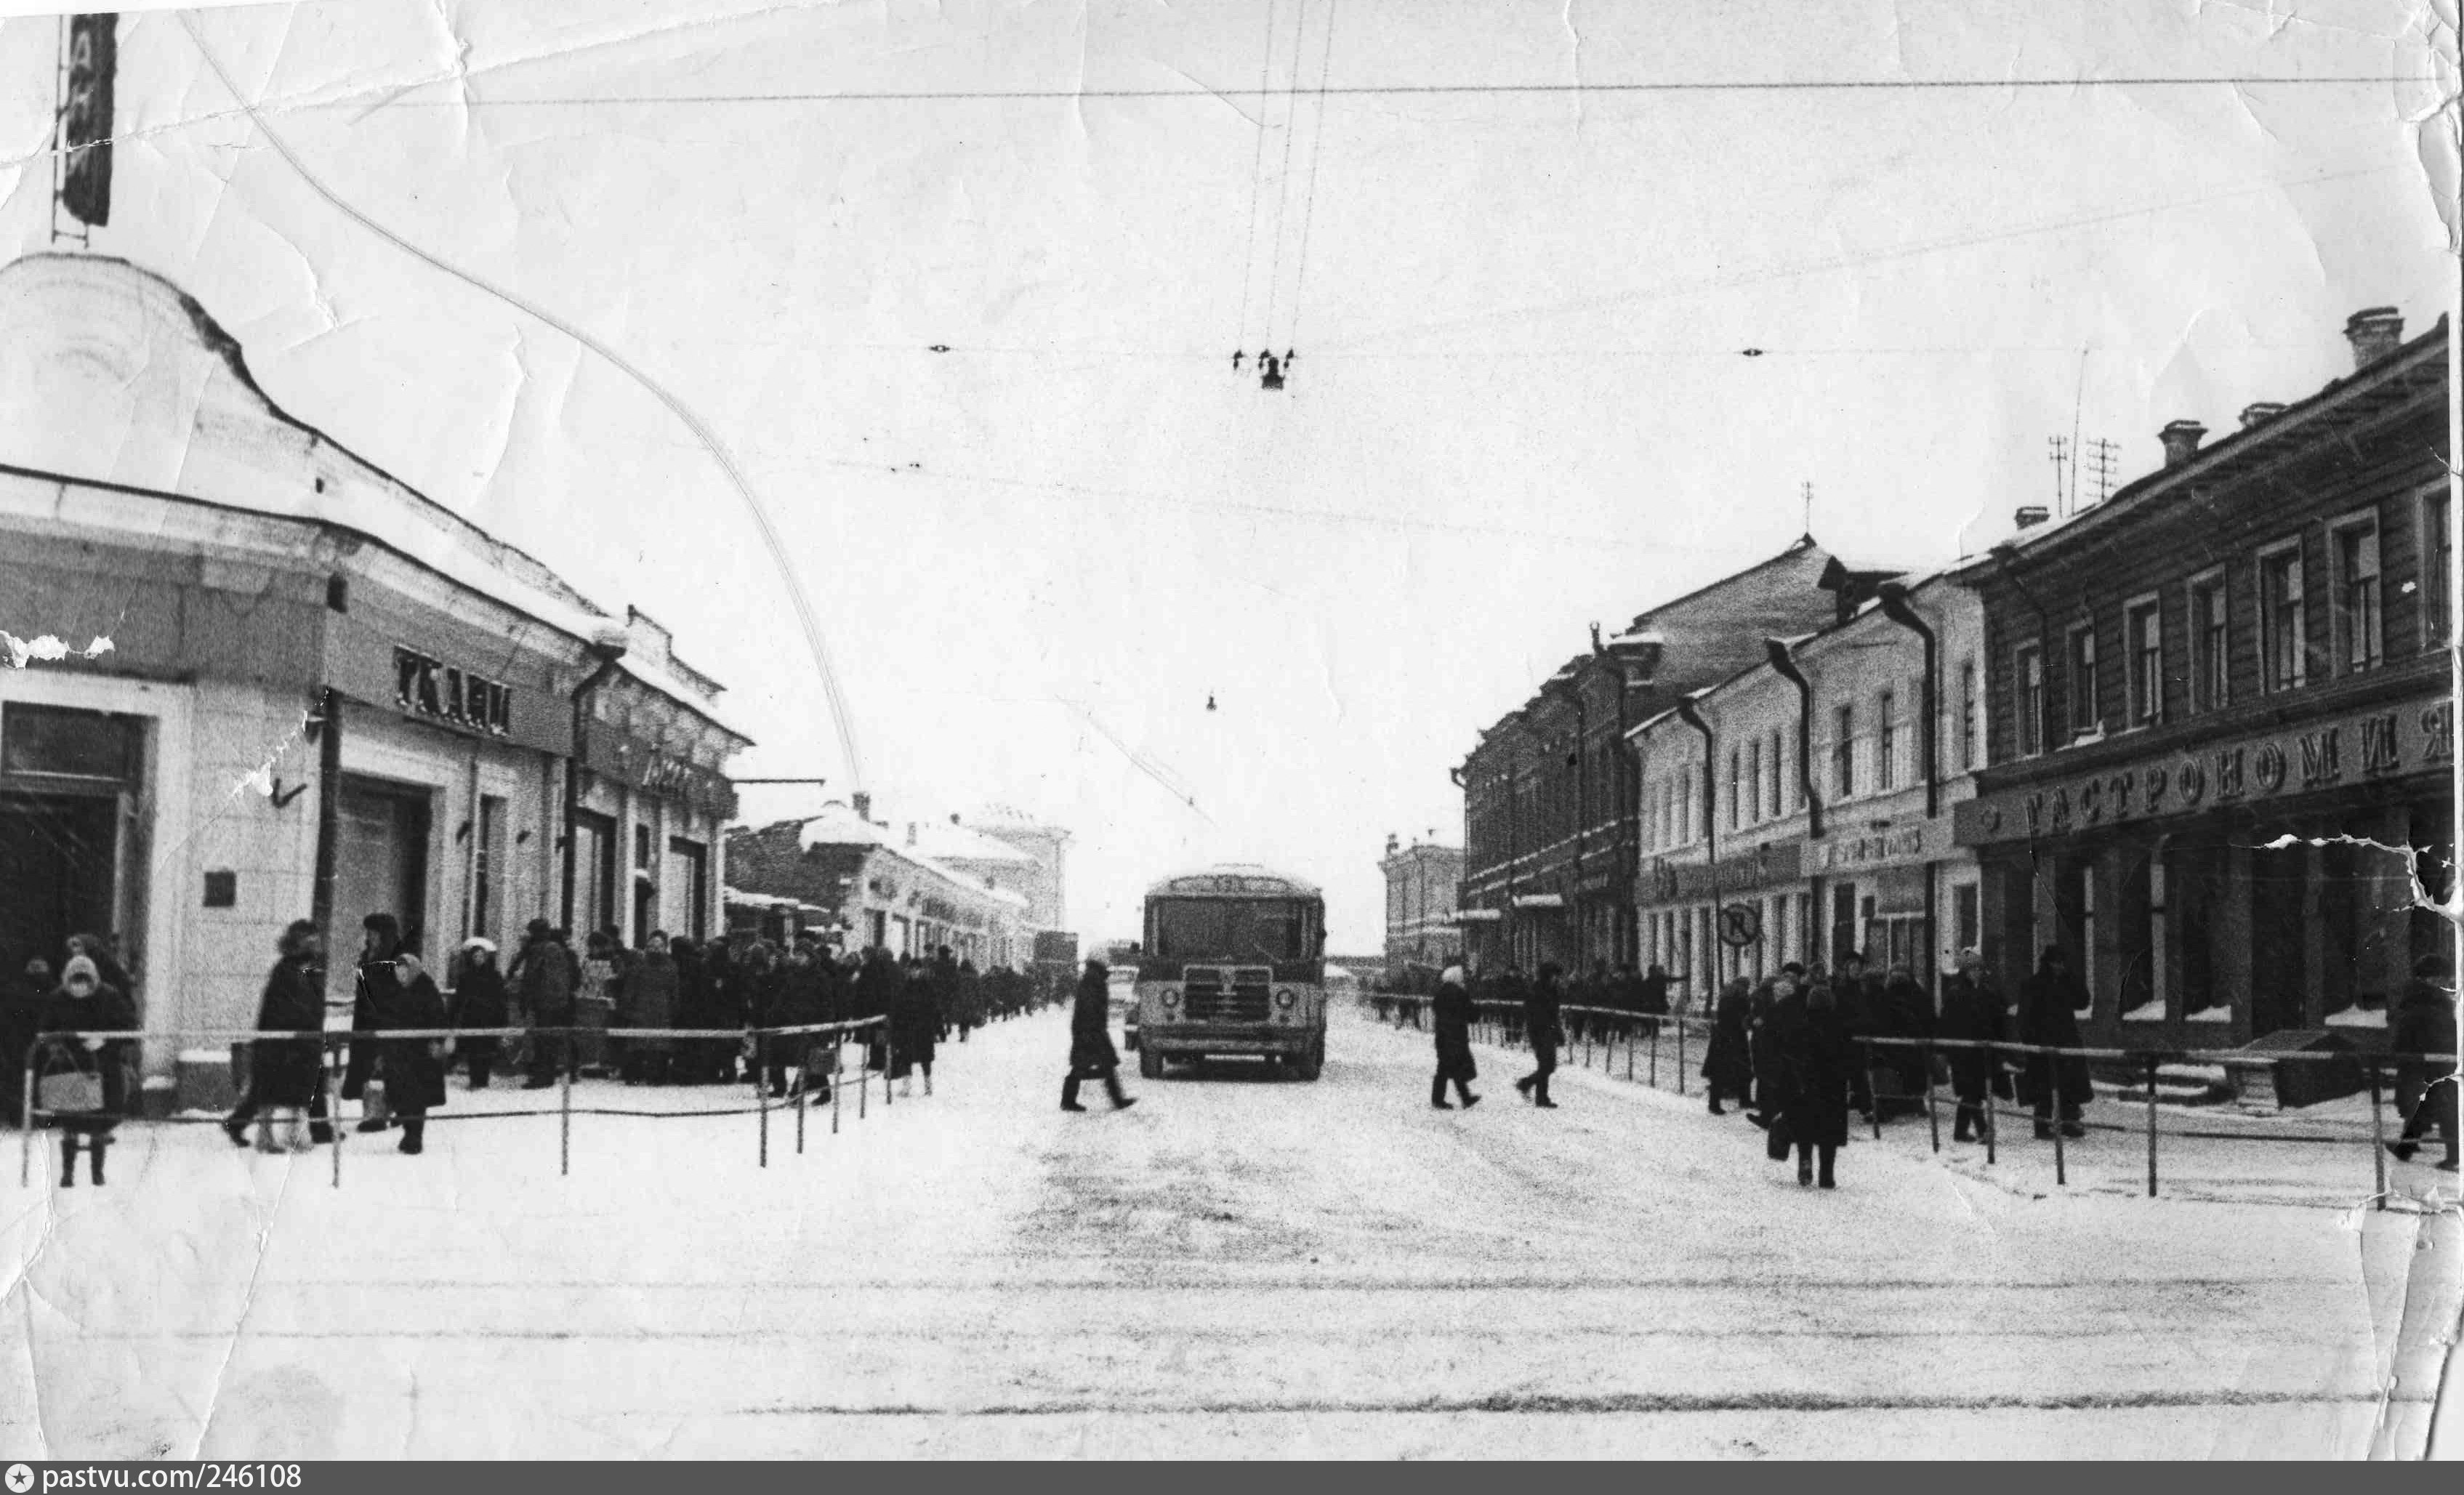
point(1741, 924)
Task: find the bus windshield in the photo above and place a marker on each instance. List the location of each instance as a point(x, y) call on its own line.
point(1230, 929)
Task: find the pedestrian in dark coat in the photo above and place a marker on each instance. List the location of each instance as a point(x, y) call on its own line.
point(1815, 1049)
point(414, 1068)
point(21, 1017)
point(2049, 1004)
point(479, 1001)
point(545, 977)
point(1727, 1062)
point(1858, 998)
point(1972, 1011)
point(915, 1026)
point(1772, 1078)
point(373, 994)
point(2426, 1089)
point(287, 1074)
point(1451, 1015)
point(877, 989)
point(1905, 1014)
point(967, 1004)
point(1655, 992)
point(83, 1004)
point(1092, 1055)
point(650, 1002)
point(1543, 1026)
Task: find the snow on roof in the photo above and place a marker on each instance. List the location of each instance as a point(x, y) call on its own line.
point(676, 690)
point(755, 900)
point(838, 825)
point(111, 374)
point(945, 842)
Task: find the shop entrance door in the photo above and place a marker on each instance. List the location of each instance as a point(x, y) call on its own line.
point(70, 849)
point(2278, 963)
point(380, 864)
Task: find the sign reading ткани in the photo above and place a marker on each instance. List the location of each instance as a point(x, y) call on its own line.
point(2375, 745)
point(427, 687)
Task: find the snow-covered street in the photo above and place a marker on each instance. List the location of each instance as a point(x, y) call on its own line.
point(1234, 1268)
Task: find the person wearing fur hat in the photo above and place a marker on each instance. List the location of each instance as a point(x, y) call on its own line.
point(286, 1075)
point(83, 1003)
point(478, 1002)
point(1451, 1015)
point(413, 1067)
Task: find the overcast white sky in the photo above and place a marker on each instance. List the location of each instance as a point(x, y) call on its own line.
point(1521, 404)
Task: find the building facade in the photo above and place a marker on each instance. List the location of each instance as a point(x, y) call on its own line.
point(1794, 811)
point(297, 687)
point(1047, 885)
point(1551, 794)
point(1422, 883)
point(2223, 722)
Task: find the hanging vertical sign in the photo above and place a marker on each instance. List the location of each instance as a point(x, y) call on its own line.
point(86, 115)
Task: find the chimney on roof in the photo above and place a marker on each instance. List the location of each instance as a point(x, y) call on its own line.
point(862, 803)
point(2374, 331)
point(911, 833)
point(954, 817)
point(2181, 439)
point(2031, 515)
point(2262, 410)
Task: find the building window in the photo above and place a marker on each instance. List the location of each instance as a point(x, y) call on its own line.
point(2086, 714)
point(2280, 629)
point(2145, 641)
point(2029, 681)
point(1843, 753)
point(2210, 686)
point(1754, 781)
point(2359, 638)
point(1736, 788)
point(1886, 750)
point(1966, 714)
point(2437, 553)
point(1778, 798)
point(1966, 926)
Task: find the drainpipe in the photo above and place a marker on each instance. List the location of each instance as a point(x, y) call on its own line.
point(1895, 606)
point(607, 647)
point(1692, 716)
point(329, 809)
point(1784, 661)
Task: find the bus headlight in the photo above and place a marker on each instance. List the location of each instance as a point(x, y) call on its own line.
point(1284, 1000)
point(1171, 999)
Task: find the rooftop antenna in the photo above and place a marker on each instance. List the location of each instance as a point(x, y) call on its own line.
point(2099, 457)
point(1805, 491)
point(2058, 451)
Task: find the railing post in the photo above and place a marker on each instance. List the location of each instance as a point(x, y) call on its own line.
point(2378, 1137)
point(1680, 1056)
point(565, 1116)
point(1933, 1116)
point(863, 1072)
point(838, 1073)
point(2061, 1126)
point(333, 1105)
point(1867, 1045)
point(1654, 1081)
point(26, 1106)
point(1992, 1111)
point(761, 1093)
point(2151, 1126)
point(889, 1063)
point(802, 1074)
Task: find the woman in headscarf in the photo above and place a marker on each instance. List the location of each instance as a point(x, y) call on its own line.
point(1815, 1043)
point(1451, 1016)
point(84, 1004)
point(413, 1067)
point(373, 997)
point(478, 1002)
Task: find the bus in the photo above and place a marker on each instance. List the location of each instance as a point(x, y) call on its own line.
point(1233, 963)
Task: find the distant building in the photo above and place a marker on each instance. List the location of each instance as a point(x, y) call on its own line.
point(1047, 886)
point(874, 887)
point(1422, 884)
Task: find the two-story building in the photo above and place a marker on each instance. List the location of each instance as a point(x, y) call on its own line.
point(1553, 797)
point(2223, 716)
point(869, 886)
point(1800, 795)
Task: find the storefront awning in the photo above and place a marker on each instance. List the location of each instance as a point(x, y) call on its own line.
point(1540, 900)
point(1478, 915)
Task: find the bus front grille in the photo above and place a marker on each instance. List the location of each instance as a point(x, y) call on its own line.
point(1225, 996)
